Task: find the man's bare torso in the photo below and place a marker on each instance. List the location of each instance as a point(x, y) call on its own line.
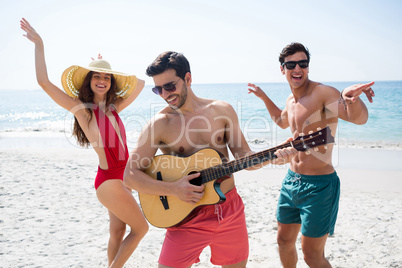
point(311, 111)
point(205, 127)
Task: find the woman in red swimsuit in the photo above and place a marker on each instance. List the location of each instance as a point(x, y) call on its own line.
point(95, 95)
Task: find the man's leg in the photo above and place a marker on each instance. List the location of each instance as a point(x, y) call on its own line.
point(287, 235)
point(313, 250)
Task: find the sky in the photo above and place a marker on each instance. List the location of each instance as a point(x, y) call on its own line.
point(225, 41)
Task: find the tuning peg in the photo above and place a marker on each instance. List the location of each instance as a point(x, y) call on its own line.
point(325, 147)
point(318, 129)
point(301, 134)
point(308, 152)
point(316, 149)
point(310, 132)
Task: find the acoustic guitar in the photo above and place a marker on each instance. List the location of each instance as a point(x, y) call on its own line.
point(168, 211)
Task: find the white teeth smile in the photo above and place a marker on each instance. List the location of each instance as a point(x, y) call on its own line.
point(171, 99)
point(297, 76)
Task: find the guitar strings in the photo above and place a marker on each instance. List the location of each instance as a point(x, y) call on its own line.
point(219, 171)
point(225, 169)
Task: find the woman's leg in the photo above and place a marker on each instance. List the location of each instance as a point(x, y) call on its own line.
point(117, 230)
point(121, 203)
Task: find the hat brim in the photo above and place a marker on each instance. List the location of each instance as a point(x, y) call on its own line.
point(73, 77)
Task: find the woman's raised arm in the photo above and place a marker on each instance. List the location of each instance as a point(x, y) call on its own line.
point(59, 96)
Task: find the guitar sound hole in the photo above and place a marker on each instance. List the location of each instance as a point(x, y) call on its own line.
point(196, 181)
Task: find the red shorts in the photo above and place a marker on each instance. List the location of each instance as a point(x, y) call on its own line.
point(222, 227)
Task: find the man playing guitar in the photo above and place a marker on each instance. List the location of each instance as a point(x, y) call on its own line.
point(187, 124)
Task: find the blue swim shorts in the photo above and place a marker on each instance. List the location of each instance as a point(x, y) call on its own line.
point(311, 201)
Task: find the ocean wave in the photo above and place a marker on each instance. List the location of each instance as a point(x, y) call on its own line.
point(25, 116)
point(342, 143)
point(132, 138)
point(40, 127)
point(20, 137)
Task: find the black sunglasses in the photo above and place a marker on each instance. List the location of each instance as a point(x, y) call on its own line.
point(290, 65)
point(169, 87)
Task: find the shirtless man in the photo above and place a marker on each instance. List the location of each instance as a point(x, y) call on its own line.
point(186, 125)
point(310, 191)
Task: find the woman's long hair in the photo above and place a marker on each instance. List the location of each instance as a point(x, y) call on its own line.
point(86, 96)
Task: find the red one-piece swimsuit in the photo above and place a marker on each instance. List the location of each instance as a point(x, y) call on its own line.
point(116, 153)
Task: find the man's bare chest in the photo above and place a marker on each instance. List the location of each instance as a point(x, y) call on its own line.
point(306, 116)
point(188, 136)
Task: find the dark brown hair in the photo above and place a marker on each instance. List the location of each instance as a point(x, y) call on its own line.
point(86, 96)
point(292, 49)
point(169, 60)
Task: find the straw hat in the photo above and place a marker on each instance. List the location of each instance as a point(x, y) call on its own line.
point(73, 77)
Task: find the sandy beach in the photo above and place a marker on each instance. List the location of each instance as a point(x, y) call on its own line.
point(50, 216)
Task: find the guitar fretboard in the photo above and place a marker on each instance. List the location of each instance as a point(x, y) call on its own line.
point(302, 143)
point(231, 167)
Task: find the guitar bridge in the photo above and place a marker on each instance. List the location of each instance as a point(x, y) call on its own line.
point(163, 199)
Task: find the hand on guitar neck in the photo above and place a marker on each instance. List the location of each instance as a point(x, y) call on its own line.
point(283, 156)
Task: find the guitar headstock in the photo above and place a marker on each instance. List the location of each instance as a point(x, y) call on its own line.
point(312, 140)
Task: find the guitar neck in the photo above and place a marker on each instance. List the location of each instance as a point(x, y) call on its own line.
point(302, 143)
point(231, 167)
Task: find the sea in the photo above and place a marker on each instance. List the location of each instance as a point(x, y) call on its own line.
point(30, 118)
